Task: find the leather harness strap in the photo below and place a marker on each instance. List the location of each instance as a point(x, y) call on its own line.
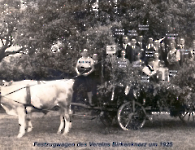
point(28, 95)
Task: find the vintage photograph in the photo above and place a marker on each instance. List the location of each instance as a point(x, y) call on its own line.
point(97, 74)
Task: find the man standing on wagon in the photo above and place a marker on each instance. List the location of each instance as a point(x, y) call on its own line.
point(121, 67)
point(126, 45)
point(173, 58)
point(150, 50)
point(181, 47)
point(142, 47)
point(133, 52)
point(121, 71)
point(84, 69)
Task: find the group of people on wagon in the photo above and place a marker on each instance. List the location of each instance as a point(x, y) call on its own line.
point(153, 57)
point(157, 56)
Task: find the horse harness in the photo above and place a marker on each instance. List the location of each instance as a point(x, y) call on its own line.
point(28, 96)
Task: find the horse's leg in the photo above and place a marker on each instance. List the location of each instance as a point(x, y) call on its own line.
point(64, 113)
point(61, 121)
point(22, 121)
point(29, 123)
point(74, 99)
point(28, 119)
point(67, 120)
point(70, 113)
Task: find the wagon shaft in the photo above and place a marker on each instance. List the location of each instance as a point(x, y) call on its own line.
point(95, 108)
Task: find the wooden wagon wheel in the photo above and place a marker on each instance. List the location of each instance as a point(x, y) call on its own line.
point(131, 115)
point(188, 116)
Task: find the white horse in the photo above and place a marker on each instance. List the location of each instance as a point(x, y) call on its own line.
point(20, 100)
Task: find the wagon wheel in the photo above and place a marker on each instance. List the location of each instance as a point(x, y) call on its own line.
point(187, 116)
point(128, 119)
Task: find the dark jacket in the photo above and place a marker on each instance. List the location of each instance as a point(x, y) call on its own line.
point(143, 47)
point(132, 53)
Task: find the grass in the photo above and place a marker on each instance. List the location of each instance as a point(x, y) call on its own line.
point(164, 129)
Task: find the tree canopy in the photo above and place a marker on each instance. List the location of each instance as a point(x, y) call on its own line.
point(43, 23)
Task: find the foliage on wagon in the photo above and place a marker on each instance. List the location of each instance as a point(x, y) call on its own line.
point(168, 94)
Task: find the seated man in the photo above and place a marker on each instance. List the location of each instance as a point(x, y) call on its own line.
point(154, 67)
point(84, 69)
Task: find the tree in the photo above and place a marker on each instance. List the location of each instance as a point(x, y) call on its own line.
point(10, 14)
point(47, 21)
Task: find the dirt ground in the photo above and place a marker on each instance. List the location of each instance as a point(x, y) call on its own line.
point(86, 131)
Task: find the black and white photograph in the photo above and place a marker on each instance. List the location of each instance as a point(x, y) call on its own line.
point(97, 74)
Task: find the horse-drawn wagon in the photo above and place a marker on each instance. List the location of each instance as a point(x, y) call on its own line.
point(137, 101)
point(131, 104)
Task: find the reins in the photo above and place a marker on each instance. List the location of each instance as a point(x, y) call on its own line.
point(17, 90)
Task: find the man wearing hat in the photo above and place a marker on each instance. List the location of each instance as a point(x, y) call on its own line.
point(84, 68)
